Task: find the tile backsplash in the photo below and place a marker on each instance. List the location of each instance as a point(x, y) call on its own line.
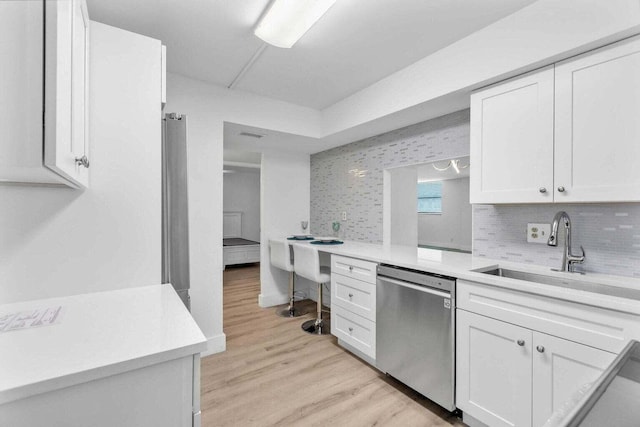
point(609, 233)
point(350, 178)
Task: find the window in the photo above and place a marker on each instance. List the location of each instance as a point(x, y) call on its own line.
point(430, 197)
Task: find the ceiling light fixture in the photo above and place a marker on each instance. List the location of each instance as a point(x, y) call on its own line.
point(286, 21)
point(455, 164)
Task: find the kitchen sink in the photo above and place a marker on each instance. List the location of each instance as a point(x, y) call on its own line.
point(565, 282)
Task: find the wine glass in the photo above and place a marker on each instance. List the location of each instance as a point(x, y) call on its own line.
point(304, 225)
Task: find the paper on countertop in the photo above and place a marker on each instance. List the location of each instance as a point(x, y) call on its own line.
point(30, 318)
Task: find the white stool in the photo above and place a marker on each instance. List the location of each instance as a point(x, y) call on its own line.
point(281, 258)
point(307, 265)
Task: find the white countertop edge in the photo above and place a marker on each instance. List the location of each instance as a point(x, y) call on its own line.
point(614, 303)
point(67, 380)
point(472, 272)
point(188, 345)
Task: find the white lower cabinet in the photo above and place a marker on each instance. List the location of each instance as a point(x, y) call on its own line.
point(358, 332)
point(353, 305)
point(560, 368)
point(165, 394)
point(493, 377)
point(508, 375)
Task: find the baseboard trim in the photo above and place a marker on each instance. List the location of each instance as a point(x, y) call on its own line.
point(358, 353)
point(471, 421)
point(215, 344)
point(272, 300)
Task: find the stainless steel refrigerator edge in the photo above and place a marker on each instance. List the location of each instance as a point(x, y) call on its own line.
point(175, 205)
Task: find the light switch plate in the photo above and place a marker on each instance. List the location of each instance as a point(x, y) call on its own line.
point(344, 216)
point(538, 233)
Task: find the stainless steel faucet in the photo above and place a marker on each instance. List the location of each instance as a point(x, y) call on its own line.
point(568, 259)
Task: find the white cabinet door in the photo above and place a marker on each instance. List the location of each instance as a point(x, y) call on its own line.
point(493, 379)
point(560, 368)
point(354, 295)
point(66, 89)
point(21, 50)
point(358, 332)
point(512, 140)
point(598, 125)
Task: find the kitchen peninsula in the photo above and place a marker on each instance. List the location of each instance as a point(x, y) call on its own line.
point(124, 357)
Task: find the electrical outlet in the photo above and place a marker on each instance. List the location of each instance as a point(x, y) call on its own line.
point(344, 215)
point(538, 233)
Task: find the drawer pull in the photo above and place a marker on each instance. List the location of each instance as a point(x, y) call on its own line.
point(520, 343)
point(350, 295)
point(351, 268)
point(350, 330)
point(540, 349)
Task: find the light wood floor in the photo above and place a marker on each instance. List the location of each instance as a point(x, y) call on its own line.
point(275, 374)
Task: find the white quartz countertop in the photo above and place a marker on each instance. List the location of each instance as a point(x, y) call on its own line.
point(467, 267)
point(100, 334)
point(431, 260)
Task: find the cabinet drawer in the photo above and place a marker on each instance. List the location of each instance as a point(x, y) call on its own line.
point(356, 268)
point(597, 327)
point(354, 295)
point(354, 330)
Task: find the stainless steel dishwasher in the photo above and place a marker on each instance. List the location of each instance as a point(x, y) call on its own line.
point(415, 323)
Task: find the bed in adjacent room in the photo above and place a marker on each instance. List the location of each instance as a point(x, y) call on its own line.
point(236, 249)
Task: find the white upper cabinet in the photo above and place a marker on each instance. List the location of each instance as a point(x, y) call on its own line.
point(512, 141)
point(598, 125)
point(59, 154)
point(66, 90)
point(562, 134)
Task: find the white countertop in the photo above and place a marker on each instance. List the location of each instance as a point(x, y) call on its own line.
point(100, 334)
point(462, 266)
point(431, 260)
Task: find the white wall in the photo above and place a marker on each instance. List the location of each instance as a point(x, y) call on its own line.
point(58, 241)
point(400, 206)
point(208, 107)
point(242, 194)
point(452, 228)
point(285, 186)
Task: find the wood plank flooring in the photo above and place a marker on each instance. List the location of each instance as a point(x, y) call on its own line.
point(274, 374)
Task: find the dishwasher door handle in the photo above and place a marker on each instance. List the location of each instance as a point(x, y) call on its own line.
point(418, 288)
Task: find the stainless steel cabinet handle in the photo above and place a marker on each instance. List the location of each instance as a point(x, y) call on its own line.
point(540, 349)
point(520, 343)
point(542, 190)
point(82, 161)
point(561, 189)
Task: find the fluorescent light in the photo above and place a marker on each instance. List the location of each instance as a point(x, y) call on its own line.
point(287, 20)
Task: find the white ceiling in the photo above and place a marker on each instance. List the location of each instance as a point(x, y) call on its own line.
point(355, 44)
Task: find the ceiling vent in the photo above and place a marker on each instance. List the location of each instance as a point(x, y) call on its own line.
point(251, 135)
